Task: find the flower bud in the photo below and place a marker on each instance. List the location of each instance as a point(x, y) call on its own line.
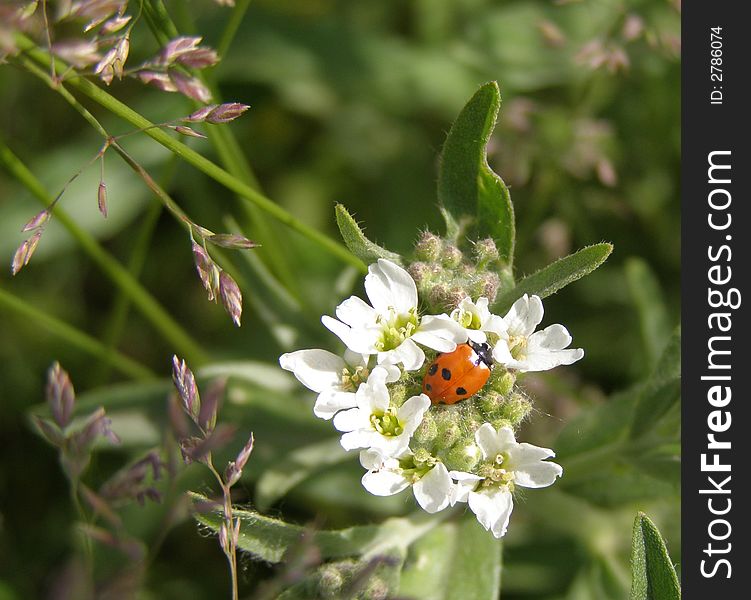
point(79, 53)
point(420, 272)
point(451, 256)
point(189, 131)
point(160, 81)
point(177, 47)
point(463, 456)
point(485, 251)
point(190, 86)
point(37, 220)
point(232, 298)
point(25, 251)
point(235, 468)
point(233, 241)
point(224, 113)
point(101, 198)
point(428, 247)
point(330, 581)
point(185, 383)
point(427, 430)
point(60, 395)
point(198, 58)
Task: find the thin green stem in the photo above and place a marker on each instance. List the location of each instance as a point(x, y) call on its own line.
point(76, 338)
point(233, 24)
point(273, 251)
point(231, 549)
point(145, 302)
point(194, 158)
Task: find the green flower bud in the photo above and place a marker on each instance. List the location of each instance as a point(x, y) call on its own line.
point(422, 456)
point(463, 456)
point(485, 251)
point(330, 581)
point(377, 589)
point(487, 285)
point(421, 272)
point(502, 382)
point(451, 257)
point(428, 247)
point(426, 431)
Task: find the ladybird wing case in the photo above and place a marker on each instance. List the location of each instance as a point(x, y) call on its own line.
point(455, 376)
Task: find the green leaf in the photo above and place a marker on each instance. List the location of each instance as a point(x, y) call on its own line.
point(296, 467)
point(662, 391)
point(557, 275)
point(358, 244)
point(269, 539)
point(476, 565)
point(467, 186)
point(456, 560)
point(653, 574)
point(647, 297)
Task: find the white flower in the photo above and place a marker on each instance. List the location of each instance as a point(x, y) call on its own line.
point(507, 464)
point(374, 423)
point(386, 476)
point(335, 379)
point(391, 327)
point(523, 350)
point(476, 319)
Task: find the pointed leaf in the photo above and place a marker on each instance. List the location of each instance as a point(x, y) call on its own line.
point(653, 574)
point(648, 300)
point(662, 390)
point(467, 187)
point(557, 275)
point(269, 539)
point(456, 560)
point(358, 244)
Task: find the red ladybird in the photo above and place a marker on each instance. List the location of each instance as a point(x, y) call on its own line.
point(457, 375)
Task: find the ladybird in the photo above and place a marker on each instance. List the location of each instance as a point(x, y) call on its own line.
point(457, 375)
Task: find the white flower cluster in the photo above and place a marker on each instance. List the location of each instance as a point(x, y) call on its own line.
point(384, 342)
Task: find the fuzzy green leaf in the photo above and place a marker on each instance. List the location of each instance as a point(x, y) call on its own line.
point(557, 275)
point(467, 186)
point(647, 297)
point(653, 574)
point(662, 391)
point(358, 244)
point(456, 560)
point(269, 539)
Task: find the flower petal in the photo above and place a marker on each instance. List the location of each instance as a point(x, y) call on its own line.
point(384, 483)
point(330, 402)
point(317, 370)
point(350, 420)
point(356, 312)
point(346, 334)
point(524, 316)
point(390, 286)
point(538, 474)
point(409, 354)
point(493, 508)
point(433, 490)
point(553, 337)
point(492, 442)
point(411, 412)
point(465, 483)
point(440, 332)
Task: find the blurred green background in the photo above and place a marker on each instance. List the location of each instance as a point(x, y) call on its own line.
point(350, 102)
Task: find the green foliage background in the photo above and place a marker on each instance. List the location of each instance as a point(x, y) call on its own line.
point(351, 102)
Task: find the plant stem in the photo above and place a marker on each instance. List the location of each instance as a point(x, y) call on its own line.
point(145, 302)
point(233, 24)
point(74, 337)
point(231, 550)
point(194, 158)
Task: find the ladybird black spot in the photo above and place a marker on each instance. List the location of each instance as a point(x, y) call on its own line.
point(433, 368)
point(428, 387)
point(446, 374)
point(460, 391)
